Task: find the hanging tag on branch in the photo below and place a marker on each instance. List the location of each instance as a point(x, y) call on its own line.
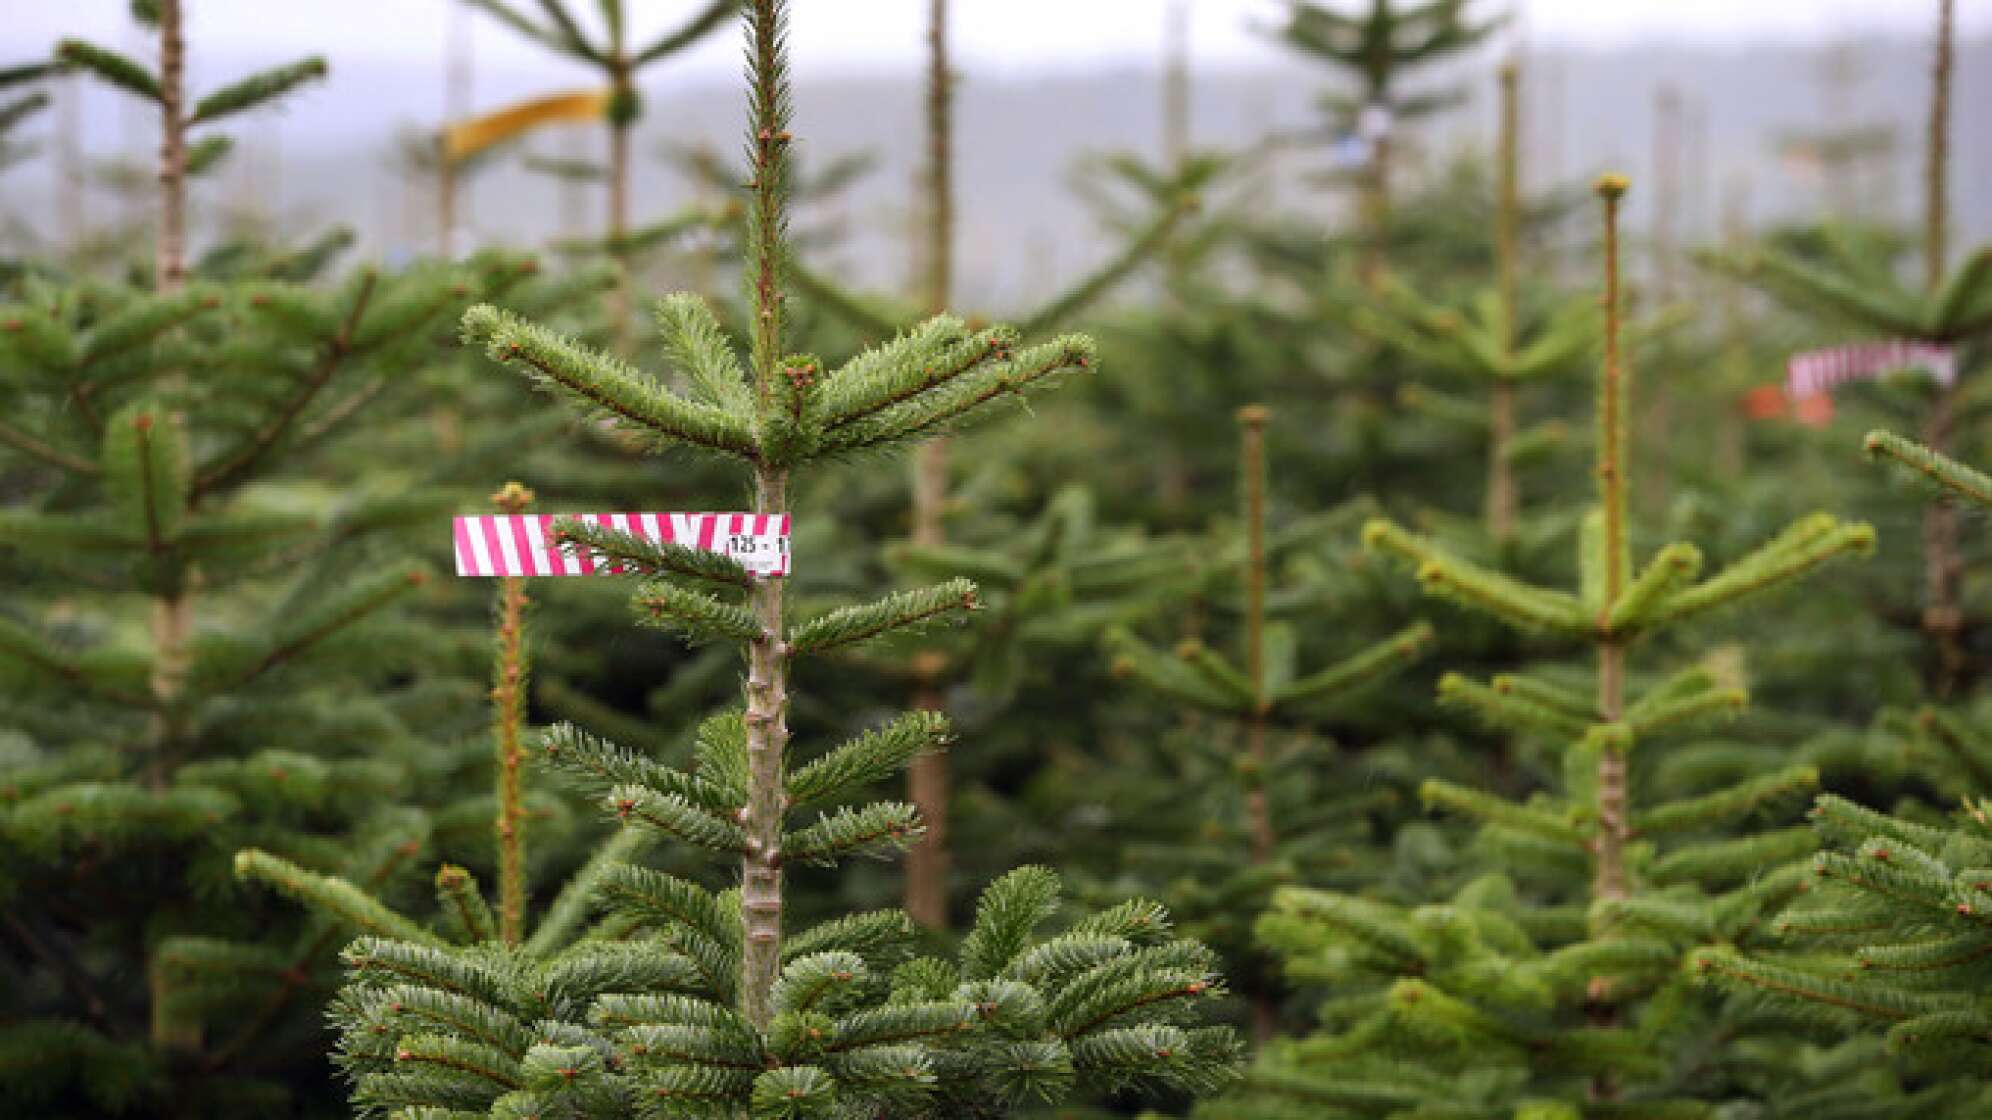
point(525, 544)
point(1818, 371)
point(464, 139)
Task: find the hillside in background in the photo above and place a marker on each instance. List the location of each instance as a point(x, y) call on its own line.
point(322, 160)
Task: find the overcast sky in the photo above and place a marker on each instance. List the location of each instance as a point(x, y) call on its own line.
point(840, 34)
point(322, 154)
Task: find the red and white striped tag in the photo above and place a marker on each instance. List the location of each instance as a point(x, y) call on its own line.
point(523, 544)
point(1817, 371)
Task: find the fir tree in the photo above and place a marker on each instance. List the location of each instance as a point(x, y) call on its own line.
point(1202, 347)
point(537, 975)
point(1282, 817)
point(612, 53)
point(1887, 933)
point(181, 117)
point(154, 439)
point(1377, 47)
point(1890, 933)
point(686, 1002)
point(1852, 156)
point(1847, 282)
point(619, 60)
point(1553, 987)
point(1051, 580)
point(930, 785)
point(1491, 339)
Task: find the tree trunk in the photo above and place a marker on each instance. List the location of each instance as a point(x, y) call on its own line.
point(1943, 565)
point(508, 703)
point(1252, 464)
point(172, 613)
point(767, 743)
point(446, 203)
point(170, 266)
point(1608, 881)
point(1376, 214)
point(1501, 499)
point(928, 785)
point(623, 298)
point(1657, 408)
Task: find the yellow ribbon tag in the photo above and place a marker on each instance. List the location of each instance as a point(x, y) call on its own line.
point(470, 137)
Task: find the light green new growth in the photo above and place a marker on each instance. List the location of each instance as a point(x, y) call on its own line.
point(1940, 470)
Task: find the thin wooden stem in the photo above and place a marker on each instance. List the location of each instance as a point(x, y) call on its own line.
point(1376, 213)
point(1508, 212)
point(1252, 469)
point(446, 202)
point(172, 622)
point(761, 901)
point(48, 452)
point(1176, 87)
point(1611, 404)
point(929, 787)
point(1656, 405)
point(1258, 805)
point(457, 77)
point(1936, 172)
point(508, 707)
point(928, 784)
point(940, 161)
point(171, 263)
point(1609, 882)
point(1943, 563)
point(1501, 498)
point(767, 697)
point(622, 297)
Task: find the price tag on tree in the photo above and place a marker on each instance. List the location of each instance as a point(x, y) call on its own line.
point(526, 545)
point(1818, 371)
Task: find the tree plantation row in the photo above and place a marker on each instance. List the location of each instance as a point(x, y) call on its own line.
point(1443, 657)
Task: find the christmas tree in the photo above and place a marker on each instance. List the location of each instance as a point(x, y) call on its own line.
point(1886, 934)
point(1552, 986)
point(1843, 280)
point(1050, 584)
point(861, 818)
point(1489, 338)
point(684, 1001)
point(1377, 47)
point(930, 783)
point(613, 54)
point(1284, 823)
point(203, 650)
point(1889, 933)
